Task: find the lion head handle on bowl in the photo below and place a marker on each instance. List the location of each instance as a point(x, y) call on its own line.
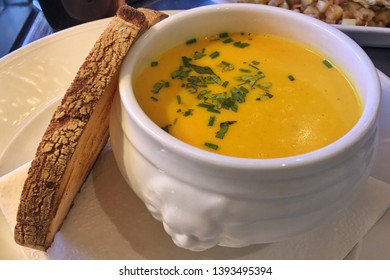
point(198, 226)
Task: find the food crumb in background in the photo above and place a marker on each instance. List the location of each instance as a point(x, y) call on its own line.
point(355, 13)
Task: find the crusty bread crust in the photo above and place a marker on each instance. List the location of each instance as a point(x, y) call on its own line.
point(152, 16)
point(77, 133)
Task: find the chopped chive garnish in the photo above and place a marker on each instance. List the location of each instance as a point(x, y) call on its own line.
point(206, 105)
point(252, 79)
point(211, 121)
point(158, 86)
point(178, 98)
point(237, 95)
point(188, 113)
point(214, 79)
point(191, 41)
point(210, 107)
point(222, 131)
point(241, 45)
point(211, 145)
point(225, 84)
point(199, 54)
point(224, 127)
point(212, 110)
point(186, 61)
point(253, 66)
point(202, 69)
point(223, 35)
point(227, 41)
point(154, 98)
point(255, 62)
point(291, 77)
point(245, 70)
point(327, 63)
point(202, 93)
point(244, 90)
point(216, 96)
point(154, 63)
point(180, 73)
point(264, 85)
point(264, 96)
point(214, 54)
point(226, 66)
point(166, 128)
point(226, 63)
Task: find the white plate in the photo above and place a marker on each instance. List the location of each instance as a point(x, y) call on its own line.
point(364, 36)
point(30, 79)
point(33, 79)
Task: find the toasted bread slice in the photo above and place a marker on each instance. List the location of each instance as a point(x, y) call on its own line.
point(77, 132)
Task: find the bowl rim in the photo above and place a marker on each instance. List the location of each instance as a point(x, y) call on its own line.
point(171, 143)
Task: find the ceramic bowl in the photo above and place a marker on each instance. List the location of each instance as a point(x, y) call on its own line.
point(204, 199)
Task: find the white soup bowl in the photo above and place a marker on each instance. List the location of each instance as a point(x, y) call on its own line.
point(204, 199)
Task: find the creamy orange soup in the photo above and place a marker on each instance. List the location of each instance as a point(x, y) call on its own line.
point(248, 95)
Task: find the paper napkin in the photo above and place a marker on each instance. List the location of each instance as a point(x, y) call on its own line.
point(108, 221)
